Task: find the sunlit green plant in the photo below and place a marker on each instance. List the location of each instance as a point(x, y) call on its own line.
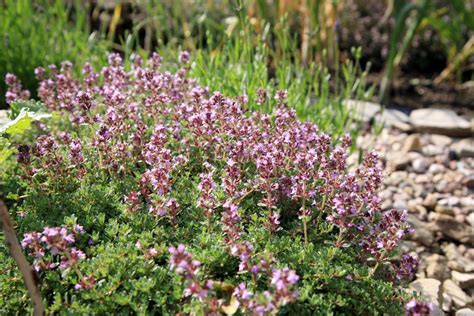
point(41, 32)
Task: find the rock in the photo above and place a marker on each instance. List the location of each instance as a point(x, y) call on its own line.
point(400, 203)
point(460, 299)
point(440, 121)
point(386, 205)
point(363, 111)
point(463, 264)
point(411, 143)
point(421, 211)
point(470, 219)
point(470, 253)
point(446, 302)
point(468, 181)
point(437, 267)
point(407, 246)
point(441, 140)
point(456, 260)
point(404, 127)
point(464, 148)
point(394, 118)
point(464, 312)
point(400, 161)
point(421, 165)
point(421, 234)
point(465, 93)
point(396, 178)
point(436, 168)
point(385, 194)
point(451, 251)
point(455, 230)
point(430, 201)
point(467, 201)
point(447, 210)
point(429, 288)
point(436, 311)
point(464, 280)
point(432, 150)
point(450, 201)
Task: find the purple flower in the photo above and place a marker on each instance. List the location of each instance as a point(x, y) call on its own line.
point(283, 278)
point(241, 292)
point(405, 267)
point(182, 262)
point(281, 95)
point(418, 308)
point(184, 57)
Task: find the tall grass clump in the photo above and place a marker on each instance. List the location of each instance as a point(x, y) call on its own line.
point(243, 64)
point(42, 32)
point(145, 192)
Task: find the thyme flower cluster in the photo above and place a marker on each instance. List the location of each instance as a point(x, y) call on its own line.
point(154, 127)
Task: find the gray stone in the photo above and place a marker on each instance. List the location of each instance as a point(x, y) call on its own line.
point(421, 234)
point(446, 302)
point(464, 148)
point(440, 121)
point(386, 205)
point(395, 178)
point(464, 280)
point(436, 311)
point(464, 312)
point(412, 143)
point(470, 219)
point(430, 201)
point(453, 229)
point(429, 289)
point(394, 118)
point(400, 161)
point(460, 298)
point(400, 203)
point(447, 210)
point(385, 194)
point(451, 251)
point(450, 201)
point(432, 150)
point(467, 201)
point(441, 140)
point(462, 264)
point(469, 181)
point(436, 168)
point(456, 260)
point(437, 267)
point(421, 165)
point(363, 111)
point(465, 93)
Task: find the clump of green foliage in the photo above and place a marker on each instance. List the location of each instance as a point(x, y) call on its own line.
point(42, 32)
point(145, 193)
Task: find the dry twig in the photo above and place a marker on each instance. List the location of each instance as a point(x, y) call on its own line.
point(28, 273)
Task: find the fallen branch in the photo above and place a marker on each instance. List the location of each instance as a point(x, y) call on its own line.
point(28, 273)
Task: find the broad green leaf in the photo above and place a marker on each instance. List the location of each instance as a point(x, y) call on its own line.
point(22, 122)
point(16, 107)
point(5, 153)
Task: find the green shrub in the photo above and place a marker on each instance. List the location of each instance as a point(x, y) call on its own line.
point(144, 193)
point(41, 32)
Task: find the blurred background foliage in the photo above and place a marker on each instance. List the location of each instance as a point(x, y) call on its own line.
point(306, 46)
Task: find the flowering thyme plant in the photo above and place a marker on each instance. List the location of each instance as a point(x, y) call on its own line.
point(190, 203)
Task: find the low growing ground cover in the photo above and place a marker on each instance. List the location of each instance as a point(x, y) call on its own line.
point(145, 192)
